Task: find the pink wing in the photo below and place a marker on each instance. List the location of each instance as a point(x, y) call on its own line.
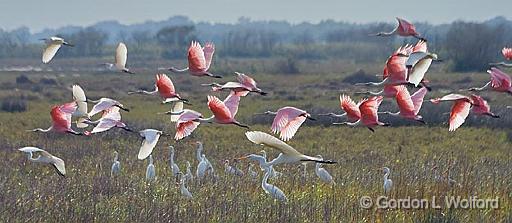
point(112, 113)
point(291, 128)
point(480, 106)
point(507, 53)
point(499, 79)
point(417, 99)
point(69, 108)
point(208, 50)
point(184, 129)
point(165, 86)
point(101, 106)
point(460, 111)
point(350, 107)
point(405, 103)
point(421, 46)
point(186, 124)
point(61, 120)
point(196, 60)
point(219, 109)
point(283, 116)
point(451, 97)
point(369, 108)
point(232, 102)
point(405, 28)
point(245, 80)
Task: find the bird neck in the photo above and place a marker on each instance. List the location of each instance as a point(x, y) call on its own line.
point(174, 69)
point(386, 175)
point(206, 120)
point(265, 177)
point(43, 130)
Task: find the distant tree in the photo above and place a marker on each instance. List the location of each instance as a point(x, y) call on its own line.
point(471, 46)
point(88, 42)
point(175, 40)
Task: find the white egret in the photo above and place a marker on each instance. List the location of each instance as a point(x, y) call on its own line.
point(120, 59)
point(151, 137)
point(388, 183)
point(202, 167)
point(52, 46)
point(288, 155)
point(174, 168)
point(116, 166)
point(184, 191)
point(150, 170)
point(81, 102)
point(199, 156)
point(232, 169)
point(45, 157)
point(189, 176)
point(274, 191)
point(251, 173)
point(322, 173)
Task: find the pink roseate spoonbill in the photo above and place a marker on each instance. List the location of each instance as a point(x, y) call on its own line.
point(81, 102)
point(224, 111)
point(61, 120)
point(187, 122)
point(199, 60)
point(165, 88)
point(369, 114)
point(460, 109)
point(500, 82)
point(287, 121)
point(394, 73)
point(45, 157)
point(350, 107)
point(244, 85)
point(288, 154)
point(103, 104)
point(409, 105)
point(481, 107)
point(109, 119)
point(404, 28)
point(150, 137)
point(507, 54)
point(418, 63)
point(53, 44)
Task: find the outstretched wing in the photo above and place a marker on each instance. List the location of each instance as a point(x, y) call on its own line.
point(49, 52)
point(208, 50)
point(121, 56)
point(196, 60)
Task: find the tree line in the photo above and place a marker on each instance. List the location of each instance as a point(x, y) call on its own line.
point(466, 46)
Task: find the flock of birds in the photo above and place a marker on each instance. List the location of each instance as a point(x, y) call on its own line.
point(407, 66)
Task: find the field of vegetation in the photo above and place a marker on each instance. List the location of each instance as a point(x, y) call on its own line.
point(422, 158)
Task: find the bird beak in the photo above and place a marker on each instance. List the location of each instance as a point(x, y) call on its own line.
point(310, 118)
point(241, 158)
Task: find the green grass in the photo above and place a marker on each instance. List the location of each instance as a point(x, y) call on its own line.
point(478, 157)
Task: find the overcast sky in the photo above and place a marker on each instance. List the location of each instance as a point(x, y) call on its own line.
point(40, 14)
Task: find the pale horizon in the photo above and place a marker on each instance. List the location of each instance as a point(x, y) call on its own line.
point(56, 14)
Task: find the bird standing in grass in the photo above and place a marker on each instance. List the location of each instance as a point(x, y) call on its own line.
point(322, 173)
point(116, 166)
point(388, 183)
point(150, 170)
point(272, 190)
